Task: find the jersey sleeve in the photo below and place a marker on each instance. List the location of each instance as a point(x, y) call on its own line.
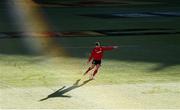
point(107, 48)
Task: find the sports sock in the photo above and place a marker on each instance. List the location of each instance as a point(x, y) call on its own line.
point(87, 70)
point(95, 72)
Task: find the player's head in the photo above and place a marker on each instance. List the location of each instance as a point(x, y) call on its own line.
point(97, 44)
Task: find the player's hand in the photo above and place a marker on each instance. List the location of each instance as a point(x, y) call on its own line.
point(115, 47)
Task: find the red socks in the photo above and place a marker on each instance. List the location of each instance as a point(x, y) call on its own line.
point(95, 71)
point(87, 70)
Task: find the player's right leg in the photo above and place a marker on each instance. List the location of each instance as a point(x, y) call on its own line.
point(95, 71)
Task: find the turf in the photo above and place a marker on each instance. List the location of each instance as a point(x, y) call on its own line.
point(142, 73)
point(144, 58)
point(28, 71)
point(138, 60)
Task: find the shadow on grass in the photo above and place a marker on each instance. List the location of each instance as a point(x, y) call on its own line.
point(63, 90)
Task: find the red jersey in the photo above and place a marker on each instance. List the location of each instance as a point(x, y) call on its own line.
point(97, 52)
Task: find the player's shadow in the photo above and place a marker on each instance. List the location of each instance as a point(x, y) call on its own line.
point(63, 90)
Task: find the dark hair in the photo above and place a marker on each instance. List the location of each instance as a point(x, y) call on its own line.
point(97, 43)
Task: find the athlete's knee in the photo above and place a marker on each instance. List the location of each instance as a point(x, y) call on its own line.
point(91, 68)
point(97, 67)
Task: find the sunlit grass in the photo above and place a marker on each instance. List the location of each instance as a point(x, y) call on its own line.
point(28, 71)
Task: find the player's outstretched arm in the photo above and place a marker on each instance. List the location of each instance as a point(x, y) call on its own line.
point(115, 47)
point(109, 47)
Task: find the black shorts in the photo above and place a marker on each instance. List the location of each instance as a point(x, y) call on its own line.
point(96, 62)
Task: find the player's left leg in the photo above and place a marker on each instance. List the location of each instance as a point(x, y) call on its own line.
point(90, 68)
point(96, 70)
